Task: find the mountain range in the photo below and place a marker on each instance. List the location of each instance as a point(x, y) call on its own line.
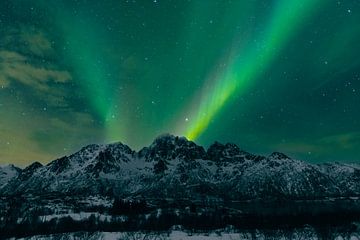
point(174, 167)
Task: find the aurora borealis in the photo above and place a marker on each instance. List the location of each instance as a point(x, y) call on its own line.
point(278, 75)
point(244, 67)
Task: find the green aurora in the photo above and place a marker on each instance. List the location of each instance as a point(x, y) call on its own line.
point(278, 75)
point(244, 68)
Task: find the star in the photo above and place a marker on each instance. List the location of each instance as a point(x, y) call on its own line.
point(92, 72)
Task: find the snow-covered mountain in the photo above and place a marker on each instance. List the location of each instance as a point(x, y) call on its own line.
point(8, 173)
point(175, 167)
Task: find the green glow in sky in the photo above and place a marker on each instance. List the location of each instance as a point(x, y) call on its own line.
point(268, 75)
point(245, 68)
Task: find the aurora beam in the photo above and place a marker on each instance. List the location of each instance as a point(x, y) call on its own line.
point(84, 49)
point(243, 69)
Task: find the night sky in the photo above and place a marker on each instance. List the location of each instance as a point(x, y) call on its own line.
point(268, 75)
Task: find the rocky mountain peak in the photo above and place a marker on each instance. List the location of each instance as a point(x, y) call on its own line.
point(119, 147)
point(29, 170)
point(110, 158)
point(90, 148)
point(167, 147)
point(117, 151)
point(32, 167)
point(168, 140)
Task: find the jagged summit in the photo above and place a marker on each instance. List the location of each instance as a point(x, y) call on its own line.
point(29, 170)
point(32, 166)
point(93, 159)
point(168, 137)
point(167, 147)
point(172, 141)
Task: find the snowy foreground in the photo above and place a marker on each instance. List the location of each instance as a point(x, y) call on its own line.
point(302, 234)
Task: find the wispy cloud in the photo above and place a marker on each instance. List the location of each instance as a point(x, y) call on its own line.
point(330, 146)
point(27, 39)
point(347, 140)
point(27, 57)
point(296, 147)
point(37, 43)
point(16, 67)
point(70, 132)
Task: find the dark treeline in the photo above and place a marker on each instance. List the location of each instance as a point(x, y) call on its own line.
point(126, 207)
point(136, 215)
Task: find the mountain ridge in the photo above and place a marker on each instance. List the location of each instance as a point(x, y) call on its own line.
point(173, 166)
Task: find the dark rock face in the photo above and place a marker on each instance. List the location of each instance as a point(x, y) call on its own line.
point(167, 147)
point(120, 152)
point(278, 156)
point(8, 173)
point(229, 152)
point(59, 165)
point(176, 167)
point(160, 167)
point(29, 171)
point(110, 158)
point(32, 167)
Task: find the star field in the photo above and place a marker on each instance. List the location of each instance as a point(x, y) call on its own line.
point(278, 75)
